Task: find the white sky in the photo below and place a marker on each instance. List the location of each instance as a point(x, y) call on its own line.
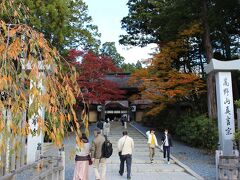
point(107, 15)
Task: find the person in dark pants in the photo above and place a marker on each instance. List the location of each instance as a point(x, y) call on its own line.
point(122, 120)
point(125, 149)
point(167, 143)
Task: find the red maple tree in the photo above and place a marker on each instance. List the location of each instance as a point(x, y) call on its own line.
point(92, 70)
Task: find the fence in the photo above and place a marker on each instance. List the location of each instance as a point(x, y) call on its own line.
point(12, 158)
point(47, 168)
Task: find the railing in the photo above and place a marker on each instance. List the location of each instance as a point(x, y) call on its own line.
point(12, 160)
point(47, 168)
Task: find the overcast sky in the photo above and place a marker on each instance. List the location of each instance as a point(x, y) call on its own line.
point(107, 15)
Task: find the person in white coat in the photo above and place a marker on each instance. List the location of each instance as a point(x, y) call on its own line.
point(106, 127)
point(152, 144)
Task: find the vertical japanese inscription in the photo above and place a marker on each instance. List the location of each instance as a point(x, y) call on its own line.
point(227, 103)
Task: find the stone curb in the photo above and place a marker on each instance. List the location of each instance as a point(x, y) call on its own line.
point(187, 169)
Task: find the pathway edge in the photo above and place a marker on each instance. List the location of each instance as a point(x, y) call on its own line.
point(187, 169)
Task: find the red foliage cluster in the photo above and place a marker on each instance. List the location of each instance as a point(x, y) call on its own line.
point(91, 76)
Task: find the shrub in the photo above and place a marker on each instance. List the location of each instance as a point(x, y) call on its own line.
point(198, 131)
point(237, 103)
point(237, 135)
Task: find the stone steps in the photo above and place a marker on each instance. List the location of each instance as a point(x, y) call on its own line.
point(142, 169)
point(139, 161)
point(150, 168)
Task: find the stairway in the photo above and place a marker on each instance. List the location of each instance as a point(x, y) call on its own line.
point(142, 169)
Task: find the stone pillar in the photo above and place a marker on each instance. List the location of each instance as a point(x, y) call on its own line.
point(225, 112)
point(34, 139)
point(62, 156)
point(226, 157)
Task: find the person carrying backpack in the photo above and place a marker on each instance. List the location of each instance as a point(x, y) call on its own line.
point(96, 153)
point(100, 125)
point(106, 127)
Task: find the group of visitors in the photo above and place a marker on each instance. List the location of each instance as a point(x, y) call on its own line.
point(104, 126)
point(153, 143)
point(98, 152)
point(87, 154)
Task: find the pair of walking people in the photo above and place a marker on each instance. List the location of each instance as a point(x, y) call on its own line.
point(104, 126)
point(153, 143)
point(125, 149)
point(87, 154)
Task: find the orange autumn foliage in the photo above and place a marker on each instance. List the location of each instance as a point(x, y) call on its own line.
point(161, 83)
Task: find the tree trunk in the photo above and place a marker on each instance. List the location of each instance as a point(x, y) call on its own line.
point(212, 109)
point(227, 43)
point(201, 60)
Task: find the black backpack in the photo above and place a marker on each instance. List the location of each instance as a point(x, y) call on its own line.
point(107, 148)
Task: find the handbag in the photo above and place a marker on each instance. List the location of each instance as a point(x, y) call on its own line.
point(161, 147)
point(90, 160)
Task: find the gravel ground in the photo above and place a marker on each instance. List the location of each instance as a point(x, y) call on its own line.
point(200, 162)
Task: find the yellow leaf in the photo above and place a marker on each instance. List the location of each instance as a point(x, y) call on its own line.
point(2, 125)
point(2, 48)
point(14, 49)
point(12, 32)
point(69, 117)
point(15, 14)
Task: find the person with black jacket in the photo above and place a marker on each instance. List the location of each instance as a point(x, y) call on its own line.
point(100, 125)
point(167, 143)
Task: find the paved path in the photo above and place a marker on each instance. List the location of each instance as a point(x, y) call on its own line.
point(141, 167)
point(198, 160)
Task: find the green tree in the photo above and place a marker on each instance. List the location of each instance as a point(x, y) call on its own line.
point(109, 49)
point(160, 21)
point(131, 67)
point(65, 23)
point(138, 65)
point(128, 67)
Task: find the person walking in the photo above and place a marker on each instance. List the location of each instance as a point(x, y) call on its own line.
point(100, 125)
point(152, 144)
point(96, 153)
point(125, 149)
point(122, 120)
point(106, 127)
point(167, 143)
point(82, 159)
point(125, 122)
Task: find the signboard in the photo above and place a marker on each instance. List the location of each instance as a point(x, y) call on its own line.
point(133, 108)
point(225, 111)
point(99, 108)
